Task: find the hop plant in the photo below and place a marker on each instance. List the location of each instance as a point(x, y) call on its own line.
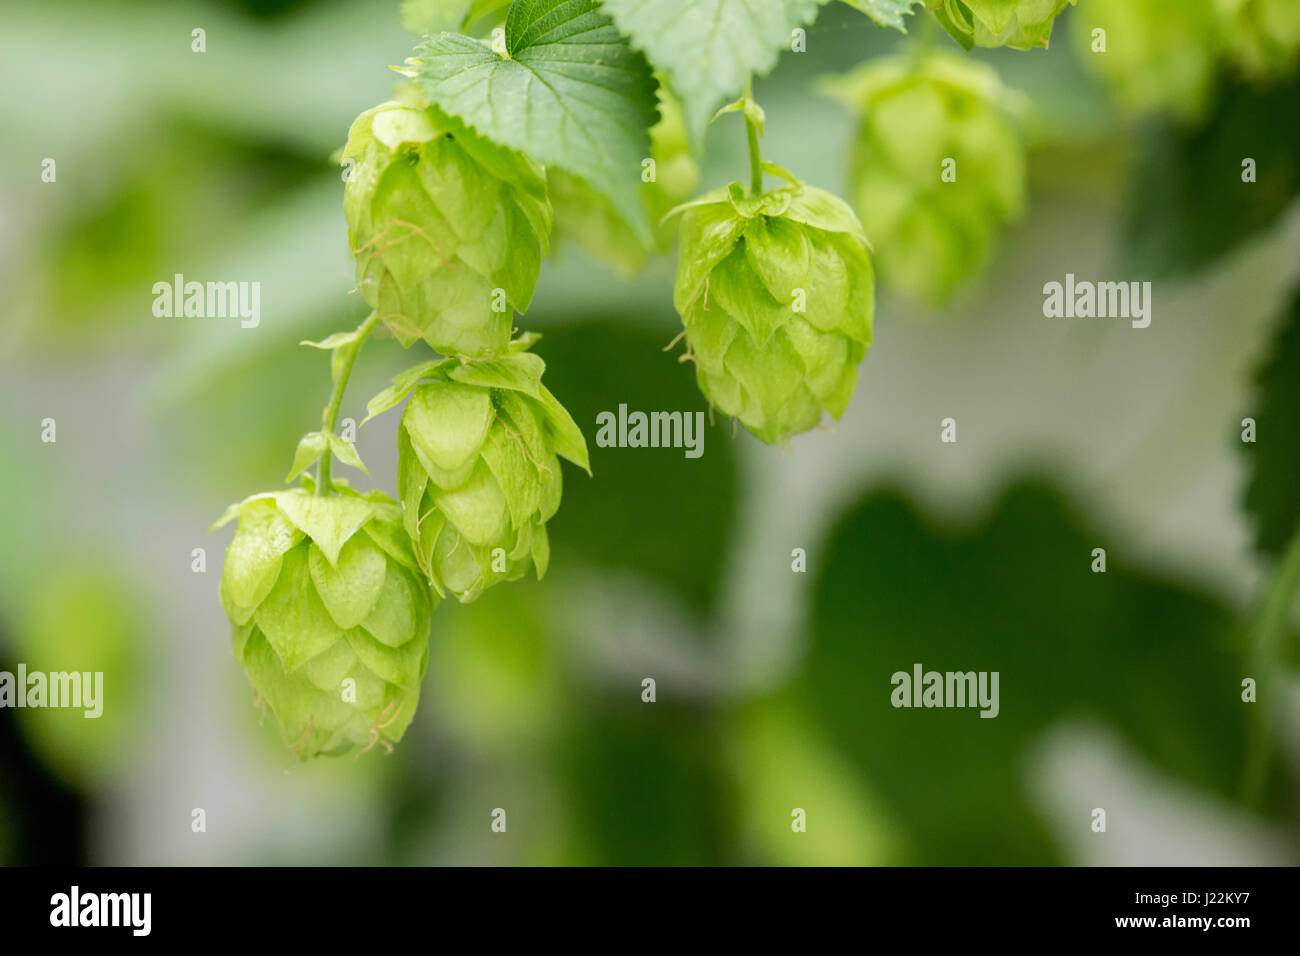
point(921, 121)
point(1263, 36)
point(1019, 24)
point(1160, 54)
point(448, 228)
point(776, 293)
point(330, 616)
point(478, 467)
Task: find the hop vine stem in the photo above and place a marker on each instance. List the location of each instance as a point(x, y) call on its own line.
point(330, 416)
point(1266, 653)
point(755, 159)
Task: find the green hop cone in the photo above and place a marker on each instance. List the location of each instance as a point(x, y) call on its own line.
point(1019, 24)
point(449, 230)
point(1263, 36)
point(937, 167)
point(330, 616)
point(776, 294)
point(478, 468)
point(1161, 55)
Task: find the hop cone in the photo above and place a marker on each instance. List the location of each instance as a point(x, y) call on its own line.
point(1019, 24)
point(776, 294)
point(1161, 55)
point(448, 229)
point(932, 233)
point(330, 616)
point(479, 473)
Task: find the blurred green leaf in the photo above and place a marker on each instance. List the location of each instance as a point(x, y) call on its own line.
point(1273, 493)
point(1015, 595)
point(1188, 205)
point(710, 48)
point(651, 511)
point(85, 618)
point(645, 783)
point(568, 91)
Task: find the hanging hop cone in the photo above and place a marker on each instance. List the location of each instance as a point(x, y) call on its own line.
point(1162, 56)
point(937, 167)
point(330, 616)
point(478, 468)
point(1019, 24)
point(448, 229)
point(776, 293)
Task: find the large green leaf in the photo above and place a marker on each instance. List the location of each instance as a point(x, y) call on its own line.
point(710, 48)
point(568, 91)
point(1155, 662)
point(1188, 203)
point(620, 522)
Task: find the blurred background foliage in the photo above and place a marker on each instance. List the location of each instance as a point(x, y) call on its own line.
point(772, 686)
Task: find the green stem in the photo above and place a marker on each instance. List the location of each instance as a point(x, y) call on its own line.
point(755, 160)
point(1269, 632)
point(330, 416)
point(928, 30)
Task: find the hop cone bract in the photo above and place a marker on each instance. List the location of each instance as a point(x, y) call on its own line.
point(330, 616)
point(479, 472)
point(448, 229)
point(937, 167)
point(776, 293)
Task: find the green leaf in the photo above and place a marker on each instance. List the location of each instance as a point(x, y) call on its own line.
point(587, 218)
point(520, 372)
point(568, 92)
point(1188, 205)
point(310, 448)
point(886, 13)
point(346, 452)
point(1153, 661)
point(711, 48)
point(403, 384)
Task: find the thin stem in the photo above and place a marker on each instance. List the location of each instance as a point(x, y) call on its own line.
point(755, 160)
point(1269, 631)
point(330, 416)
point(929, 29)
